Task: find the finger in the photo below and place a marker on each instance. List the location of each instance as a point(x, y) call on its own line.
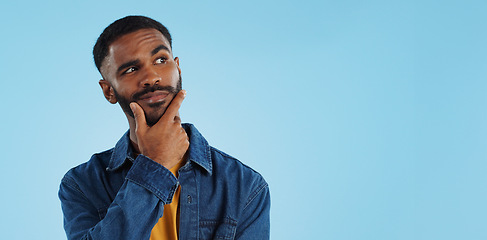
point(177, 119)
point(173, 108)
point(140, 122)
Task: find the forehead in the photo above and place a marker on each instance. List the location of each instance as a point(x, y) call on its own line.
point(134, 45)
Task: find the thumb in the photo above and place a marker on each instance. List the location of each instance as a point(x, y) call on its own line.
point(140, 122)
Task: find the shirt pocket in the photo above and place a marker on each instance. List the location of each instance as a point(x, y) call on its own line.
point(222, 229)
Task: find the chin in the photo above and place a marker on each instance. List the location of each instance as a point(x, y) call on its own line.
point(153, 117)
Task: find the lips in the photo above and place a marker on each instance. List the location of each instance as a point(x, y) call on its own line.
point(154, 97)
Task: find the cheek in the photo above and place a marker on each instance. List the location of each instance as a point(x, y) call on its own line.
point(125, 89)
point(172, 74)
point(175, 77)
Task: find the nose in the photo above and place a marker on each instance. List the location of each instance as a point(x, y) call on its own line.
point(150, 78)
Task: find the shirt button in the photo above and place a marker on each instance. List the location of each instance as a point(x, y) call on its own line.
point(189, 199)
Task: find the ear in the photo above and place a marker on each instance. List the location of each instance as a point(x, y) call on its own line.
point(107, 89)
point(176, 59)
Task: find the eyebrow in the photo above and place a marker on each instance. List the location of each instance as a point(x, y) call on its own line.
point(159, 48)
point(128, 64)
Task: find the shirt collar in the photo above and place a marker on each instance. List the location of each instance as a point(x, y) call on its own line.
point(199, 150)
point(121, 153)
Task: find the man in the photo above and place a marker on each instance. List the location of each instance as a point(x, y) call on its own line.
point(161, 180)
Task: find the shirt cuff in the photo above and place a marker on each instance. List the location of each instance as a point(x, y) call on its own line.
point(154, 177)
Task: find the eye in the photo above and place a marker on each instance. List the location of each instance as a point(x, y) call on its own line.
point(161, 60)
point(130, 70)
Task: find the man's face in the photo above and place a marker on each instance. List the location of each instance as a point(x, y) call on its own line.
point(140, 68)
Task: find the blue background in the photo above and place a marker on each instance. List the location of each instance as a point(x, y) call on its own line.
point(367, 118)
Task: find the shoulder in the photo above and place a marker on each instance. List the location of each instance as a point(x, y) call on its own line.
point(92, 168)
point(222, 158)
point(230, 168)
point(90, 181)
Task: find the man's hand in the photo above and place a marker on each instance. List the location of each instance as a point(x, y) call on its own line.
point(166, 142)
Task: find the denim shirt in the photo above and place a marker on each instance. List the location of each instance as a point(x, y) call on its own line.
point(114, 196)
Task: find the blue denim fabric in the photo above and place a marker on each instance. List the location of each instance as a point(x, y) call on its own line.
point(114, 196)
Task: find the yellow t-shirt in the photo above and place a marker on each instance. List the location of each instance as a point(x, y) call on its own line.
point(167, 227)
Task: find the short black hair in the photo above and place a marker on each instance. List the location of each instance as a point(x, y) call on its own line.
point(121, 27)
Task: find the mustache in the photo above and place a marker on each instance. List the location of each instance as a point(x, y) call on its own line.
point(170, 89)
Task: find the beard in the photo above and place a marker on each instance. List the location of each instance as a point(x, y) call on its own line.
point(150, 117)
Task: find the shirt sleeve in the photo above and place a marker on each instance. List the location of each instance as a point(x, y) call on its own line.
point(255, 221)
point(133, 213)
